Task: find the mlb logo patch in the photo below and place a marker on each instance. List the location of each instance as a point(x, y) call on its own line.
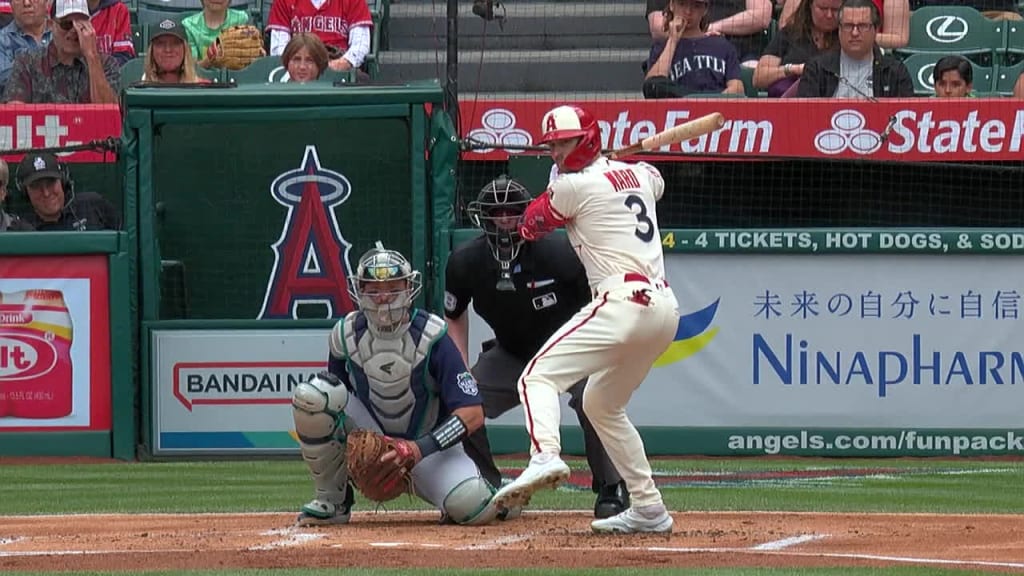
point(545, 301)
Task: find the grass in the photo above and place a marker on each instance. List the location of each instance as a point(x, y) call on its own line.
point(940, 486)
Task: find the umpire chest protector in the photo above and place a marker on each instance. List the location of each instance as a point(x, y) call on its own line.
point(391, 376)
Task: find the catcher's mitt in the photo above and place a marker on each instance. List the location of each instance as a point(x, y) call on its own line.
point(378, 481)
point(237, 47)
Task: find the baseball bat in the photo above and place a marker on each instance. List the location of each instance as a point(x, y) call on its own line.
point(686, 131)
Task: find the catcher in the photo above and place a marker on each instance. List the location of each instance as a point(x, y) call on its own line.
point(392, 369)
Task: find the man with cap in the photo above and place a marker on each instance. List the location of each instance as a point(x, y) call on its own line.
point(27, 33)
point(9, 222)
point(55, 206)
point(71, 70)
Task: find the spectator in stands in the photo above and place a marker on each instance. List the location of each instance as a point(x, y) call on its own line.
point(812, 30)
point(112, 22)
point(204, 27)
point(27, 32)
point(894, 17)
point(688, 61)
point(305, 58)
point(5, 13)
point(55, 206)
point(343, 26)
point(168, 57)
point(953, 77)
point(9, 222)
point(743, 22)
point(858, 69)
point(71, 70)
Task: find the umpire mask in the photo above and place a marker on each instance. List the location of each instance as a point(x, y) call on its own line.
point(497, 211)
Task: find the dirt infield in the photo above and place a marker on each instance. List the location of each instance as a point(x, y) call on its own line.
point(537, 539)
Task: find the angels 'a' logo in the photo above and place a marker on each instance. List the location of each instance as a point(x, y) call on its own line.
point(311, 256)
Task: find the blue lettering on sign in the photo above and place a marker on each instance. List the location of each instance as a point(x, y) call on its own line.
point(887, 368)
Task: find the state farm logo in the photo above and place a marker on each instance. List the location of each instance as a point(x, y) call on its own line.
point(26, 356)
point(946, 29)
point(848, 132)
point(27, 132)
point(499, 128)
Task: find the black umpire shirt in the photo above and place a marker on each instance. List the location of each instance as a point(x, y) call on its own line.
point(551, 286)
point(87, 211)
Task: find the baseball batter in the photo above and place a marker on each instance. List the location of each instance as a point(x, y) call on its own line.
point(524, 291)
point(394, 370)
point(608, 210)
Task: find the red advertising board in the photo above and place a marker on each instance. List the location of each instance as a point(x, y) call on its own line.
point(54, 343)
point(922, 129)
point(24, 126)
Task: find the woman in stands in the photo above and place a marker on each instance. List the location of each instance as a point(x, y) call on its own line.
point(168, 58)
point(895, 30)
point(811, 30)
point(305, 57)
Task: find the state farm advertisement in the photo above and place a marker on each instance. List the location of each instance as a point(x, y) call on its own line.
point(54, 344)
point(25, 126)
point(229, 391)
point(924, 129)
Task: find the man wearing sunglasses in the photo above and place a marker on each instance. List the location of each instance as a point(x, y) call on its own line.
point(858, 69)
point(71, 69)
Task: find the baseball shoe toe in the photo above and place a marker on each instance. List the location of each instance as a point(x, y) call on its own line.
point(631, 521)
point(506, 514)
point(320, 513)
point(545, 471)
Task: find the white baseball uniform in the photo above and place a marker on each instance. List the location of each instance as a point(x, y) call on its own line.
point(608, 210)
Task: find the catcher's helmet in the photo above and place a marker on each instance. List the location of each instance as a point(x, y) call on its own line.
point(573, 122)
point(385, 286)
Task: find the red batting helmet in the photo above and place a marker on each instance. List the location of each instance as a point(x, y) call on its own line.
point(573, 122)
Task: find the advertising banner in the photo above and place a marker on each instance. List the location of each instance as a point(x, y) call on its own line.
point(54, 343)
point(229, 391)
point(24, 126)
point(919, 129)
point(837, 355)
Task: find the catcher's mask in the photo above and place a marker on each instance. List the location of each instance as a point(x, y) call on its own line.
point(496, 211)
point(385, 286)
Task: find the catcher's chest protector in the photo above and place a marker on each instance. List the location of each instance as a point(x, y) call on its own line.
point(391, 376)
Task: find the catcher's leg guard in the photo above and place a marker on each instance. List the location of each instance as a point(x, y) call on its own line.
point(469, 503)
point(318, 411)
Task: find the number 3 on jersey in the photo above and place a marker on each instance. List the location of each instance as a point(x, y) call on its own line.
point(644, 226)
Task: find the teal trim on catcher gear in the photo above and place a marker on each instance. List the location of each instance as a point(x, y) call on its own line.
point(471, 503)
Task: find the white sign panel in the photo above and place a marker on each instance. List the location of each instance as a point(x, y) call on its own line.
point(230, 390)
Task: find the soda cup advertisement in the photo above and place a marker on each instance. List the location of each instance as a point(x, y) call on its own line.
point(54, 343)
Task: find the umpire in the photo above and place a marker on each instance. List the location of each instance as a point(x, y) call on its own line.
point(525, 292)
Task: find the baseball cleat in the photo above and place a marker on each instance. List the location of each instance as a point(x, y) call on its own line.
point(319, 513)
point(545, 471)
point(631, 521)
point(506, 514)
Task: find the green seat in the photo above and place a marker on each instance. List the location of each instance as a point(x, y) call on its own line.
point(921, 65)
point(747, 75)
point(153, 11)
point(954, 30)
point(1013, 48)
point(1006, 78)
point(132, 70)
